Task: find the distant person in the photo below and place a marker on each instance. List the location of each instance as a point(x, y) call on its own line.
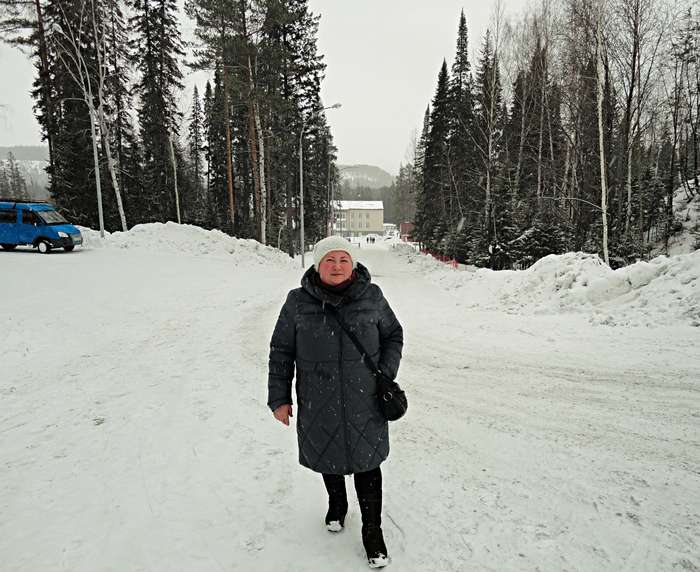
point(499, 260)
point(340, 428)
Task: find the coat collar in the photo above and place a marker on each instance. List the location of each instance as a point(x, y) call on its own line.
point(354, 291)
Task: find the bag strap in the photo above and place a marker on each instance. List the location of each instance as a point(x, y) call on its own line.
point(368, 361)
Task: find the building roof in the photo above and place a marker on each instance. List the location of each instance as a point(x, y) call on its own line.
point(360, 205)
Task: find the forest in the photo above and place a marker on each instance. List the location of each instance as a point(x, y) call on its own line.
point(575, 128)
point(573, 131)
point(109, 74)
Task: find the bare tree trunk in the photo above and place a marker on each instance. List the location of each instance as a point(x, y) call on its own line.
point(111, 164)
point(629, 111)
point(628, 184)
point(70, 52)
point(539, 145)
point(100, 38)
point(521, 152)
point(567, 159)
point(257, 159)
point(174, 163)
point(253, 152)
point(96, 159)
point(263, 181)
point(601, 140)
point(229, 153)
point(489, 147)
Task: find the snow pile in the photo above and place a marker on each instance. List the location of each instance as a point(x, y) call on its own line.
point(663, 291)
point(171, 237)
point(687, 212)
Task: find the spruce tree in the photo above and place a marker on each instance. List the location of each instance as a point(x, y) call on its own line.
point(462, 148)
point(16, 183)
point(217, 199)
point(421, 197)
point(157, 47)
point(195, 144)
point(436, 176)
point(4, 182)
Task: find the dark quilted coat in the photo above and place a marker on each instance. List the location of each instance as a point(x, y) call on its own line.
point(339, 426)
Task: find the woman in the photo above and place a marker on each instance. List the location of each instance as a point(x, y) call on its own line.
point(340, 428)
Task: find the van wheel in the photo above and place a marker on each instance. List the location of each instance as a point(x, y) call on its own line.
point(8, 246)
point(69, 248)
point(44, 246)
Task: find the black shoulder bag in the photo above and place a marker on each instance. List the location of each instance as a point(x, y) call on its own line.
point(392, 399)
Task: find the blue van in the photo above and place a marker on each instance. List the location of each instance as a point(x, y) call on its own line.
point(37, 224)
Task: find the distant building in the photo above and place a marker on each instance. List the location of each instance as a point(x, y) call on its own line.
point(358, 218)
point(405, 230)
point(390, 229)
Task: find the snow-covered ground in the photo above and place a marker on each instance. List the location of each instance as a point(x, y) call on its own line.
point(554, 418)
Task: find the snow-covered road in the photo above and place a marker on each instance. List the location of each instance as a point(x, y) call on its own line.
point(134, 433)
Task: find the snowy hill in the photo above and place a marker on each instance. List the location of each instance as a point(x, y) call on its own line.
point(134, 431)
point(369, 176)
point(32, 162)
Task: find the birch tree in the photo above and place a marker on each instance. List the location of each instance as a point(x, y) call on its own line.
point(600, 83)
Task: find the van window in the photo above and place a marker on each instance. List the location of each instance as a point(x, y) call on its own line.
point(28, 217)
point(8, 216)
point(52, 217)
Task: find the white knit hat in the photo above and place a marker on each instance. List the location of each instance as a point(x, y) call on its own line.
point(331, 243)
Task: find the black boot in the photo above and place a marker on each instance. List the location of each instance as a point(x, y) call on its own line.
point(337, 502)
point(369, 495)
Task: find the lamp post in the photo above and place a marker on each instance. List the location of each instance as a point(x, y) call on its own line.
point(301, 174)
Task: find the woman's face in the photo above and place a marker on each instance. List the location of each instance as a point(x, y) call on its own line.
point(335, 268)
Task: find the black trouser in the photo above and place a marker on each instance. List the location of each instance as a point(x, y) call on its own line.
point(369, 495)
point(365, 483)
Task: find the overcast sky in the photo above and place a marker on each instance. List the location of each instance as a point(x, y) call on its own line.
point(383, 57)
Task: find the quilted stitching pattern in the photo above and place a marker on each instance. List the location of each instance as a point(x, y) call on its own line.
point(339, 425)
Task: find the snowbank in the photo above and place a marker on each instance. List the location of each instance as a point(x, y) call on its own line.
point(174, 238)
point(686, 212)
point(663, 291)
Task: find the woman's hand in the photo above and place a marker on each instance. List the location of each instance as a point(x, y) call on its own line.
point(283, 413)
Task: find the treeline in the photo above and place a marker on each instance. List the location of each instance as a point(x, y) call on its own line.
point(572, 132)
point(12, 182)
point(109, 79)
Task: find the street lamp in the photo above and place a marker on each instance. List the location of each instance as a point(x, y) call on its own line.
point(301, 174)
